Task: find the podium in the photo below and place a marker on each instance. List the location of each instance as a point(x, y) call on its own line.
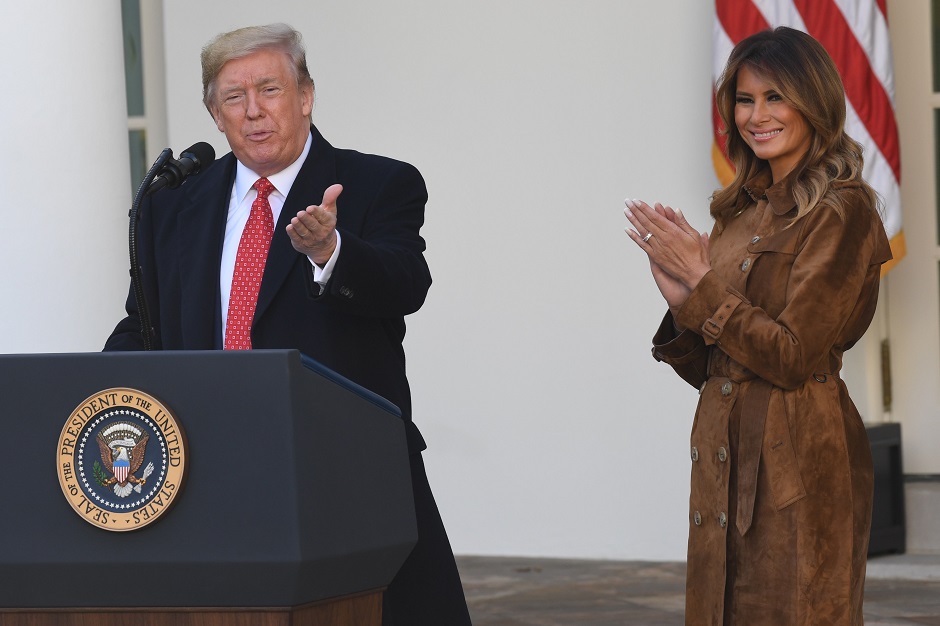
point(296, 507)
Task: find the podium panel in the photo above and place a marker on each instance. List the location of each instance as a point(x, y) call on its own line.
point(360, 610)
point(297, 487)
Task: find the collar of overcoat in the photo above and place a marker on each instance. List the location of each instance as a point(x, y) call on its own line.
point(779, 195)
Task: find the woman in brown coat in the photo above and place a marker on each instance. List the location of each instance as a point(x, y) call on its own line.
point(760, 314)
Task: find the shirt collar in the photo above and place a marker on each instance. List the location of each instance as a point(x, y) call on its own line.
point(282, 181)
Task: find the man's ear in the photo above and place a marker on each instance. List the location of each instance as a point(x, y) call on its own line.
point(307, 93)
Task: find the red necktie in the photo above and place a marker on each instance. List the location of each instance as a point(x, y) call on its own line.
point(249, 268)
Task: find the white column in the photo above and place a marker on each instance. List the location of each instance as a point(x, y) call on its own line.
point(64, 174)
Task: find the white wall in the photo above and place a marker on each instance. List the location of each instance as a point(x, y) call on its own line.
point(551, 429)
point(66, 180)
point(914, 332)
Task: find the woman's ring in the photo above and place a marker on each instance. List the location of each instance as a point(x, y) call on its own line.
point(648, 237)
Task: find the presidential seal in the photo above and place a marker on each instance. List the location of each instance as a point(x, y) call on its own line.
point(121, 459)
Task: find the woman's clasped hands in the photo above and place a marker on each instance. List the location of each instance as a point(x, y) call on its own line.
point(678, 253)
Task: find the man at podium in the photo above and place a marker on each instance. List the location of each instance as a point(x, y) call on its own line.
point(288, 242)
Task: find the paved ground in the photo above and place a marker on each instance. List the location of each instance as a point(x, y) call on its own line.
point(901, 590)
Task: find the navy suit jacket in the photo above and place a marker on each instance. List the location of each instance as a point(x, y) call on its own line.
point(355, 327)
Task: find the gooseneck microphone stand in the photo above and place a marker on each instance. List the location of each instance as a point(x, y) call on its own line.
point(143, 312)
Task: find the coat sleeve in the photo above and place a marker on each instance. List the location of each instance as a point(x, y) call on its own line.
point(126, 335)
point(381, 270)
point(833, 276)
point(685, 352)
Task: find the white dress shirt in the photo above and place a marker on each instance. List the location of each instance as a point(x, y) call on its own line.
point(239, 208)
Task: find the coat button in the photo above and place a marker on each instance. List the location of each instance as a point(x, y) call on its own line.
point(694, 454)
point(346, 292)
point(722, 520)
point(745, 265)
point(726, 389)
point(755, 239)
point(722, 454)
point(697, 518)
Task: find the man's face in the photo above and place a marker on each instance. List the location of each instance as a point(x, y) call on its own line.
point(262, 110)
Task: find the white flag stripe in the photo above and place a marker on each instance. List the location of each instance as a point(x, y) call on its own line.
point(871, 30)
point(723, 48)
point(780, 13)
point(877, 171)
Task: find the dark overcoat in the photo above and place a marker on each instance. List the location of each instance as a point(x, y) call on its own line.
point(355, 326)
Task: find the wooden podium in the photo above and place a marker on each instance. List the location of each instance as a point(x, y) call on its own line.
point(296, 509)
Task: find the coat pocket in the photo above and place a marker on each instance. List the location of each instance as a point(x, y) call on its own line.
point(783, 470)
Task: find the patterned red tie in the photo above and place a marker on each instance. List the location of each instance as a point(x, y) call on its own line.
point(249, 268)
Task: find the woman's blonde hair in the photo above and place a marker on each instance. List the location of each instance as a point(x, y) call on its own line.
point(804, 75)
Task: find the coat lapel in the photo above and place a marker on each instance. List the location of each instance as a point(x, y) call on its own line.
point(201, 229)
point(317, 173)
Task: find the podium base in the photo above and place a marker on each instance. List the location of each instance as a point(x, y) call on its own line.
point(355, 610)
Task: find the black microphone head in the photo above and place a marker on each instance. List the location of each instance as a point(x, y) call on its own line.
point(201, 153)
point(192, 160)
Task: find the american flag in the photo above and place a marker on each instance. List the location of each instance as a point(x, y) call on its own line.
point(855, 33)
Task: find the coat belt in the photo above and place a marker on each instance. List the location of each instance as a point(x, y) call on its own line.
point(754, 407)
point(755, 402)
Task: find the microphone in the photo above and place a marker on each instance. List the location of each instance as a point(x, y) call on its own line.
point(192, 160)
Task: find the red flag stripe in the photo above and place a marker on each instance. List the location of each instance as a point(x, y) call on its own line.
point(740, 19)
point(826, 23)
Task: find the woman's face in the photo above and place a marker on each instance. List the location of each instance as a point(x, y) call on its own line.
point(775, 131)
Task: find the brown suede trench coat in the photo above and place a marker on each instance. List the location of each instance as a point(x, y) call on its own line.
point(781, 488)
